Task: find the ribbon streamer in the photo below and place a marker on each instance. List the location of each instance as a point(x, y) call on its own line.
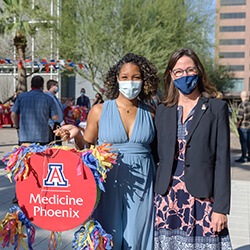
point(92, 236)
point(55, 241)
point(55, 63)
point(100, 161)
point(17, 159)
point(11, 229)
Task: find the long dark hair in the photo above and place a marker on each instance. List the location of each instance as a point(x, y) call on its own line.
point(171, 94)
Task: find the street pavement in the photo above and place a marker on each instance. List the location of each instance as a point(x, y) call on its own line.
point(238, 220)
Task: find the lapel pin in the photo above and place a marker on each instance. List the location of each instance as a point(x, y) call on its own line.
point(203, 107)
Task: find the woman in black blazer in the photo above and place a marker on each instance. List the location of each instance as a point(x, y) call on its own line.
point(193, 175)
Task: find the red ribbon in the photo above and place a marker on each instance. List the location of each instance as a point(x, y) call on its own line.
point(20, 64)
point(80, 65)
point(68, 67)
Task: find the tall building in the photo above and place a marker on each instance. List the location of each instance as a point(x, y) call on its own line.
point(232, 39)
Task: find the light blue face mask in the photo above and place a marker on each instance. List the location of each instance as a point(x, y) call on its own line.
point(82, 94)
point(57, 89)
point(130, 89)
point(186, 84)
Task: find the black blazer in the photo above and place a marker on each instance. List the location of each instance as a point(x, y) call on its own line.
point(207, 156)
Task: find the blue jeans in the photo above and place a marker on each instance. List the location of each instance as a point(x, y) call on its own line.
point(244, 141)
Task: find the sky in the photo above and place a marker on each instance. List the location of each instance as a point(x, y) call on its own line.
point(212, 7)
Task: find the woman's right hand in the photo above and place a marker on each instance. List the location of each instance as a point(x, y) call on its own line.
point(67, 132)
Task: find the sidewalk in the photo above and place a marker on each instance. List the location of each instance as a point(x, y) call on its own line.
point(239, 218)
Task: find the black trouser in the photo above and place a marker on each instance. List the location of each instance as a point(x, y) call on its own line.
point(52, 136)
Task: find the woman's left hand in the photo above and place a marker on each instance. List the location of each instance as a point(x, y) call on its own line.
point(219, 221)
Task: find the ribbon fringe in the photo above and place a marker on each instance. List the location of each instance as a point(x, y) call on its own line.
point(91, 236)
point(12, 227)
point(55, 241)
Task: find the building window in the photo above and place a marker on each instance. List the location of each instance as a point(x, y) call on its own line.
point(232, 28)
point(232, 2)
point(232, 54)
point(232, 42)
point(232, 15)
point(238, 84)
point(236, 68)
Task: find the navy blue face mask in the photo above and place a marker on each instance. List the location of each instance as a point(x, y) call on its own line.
point(186, 84)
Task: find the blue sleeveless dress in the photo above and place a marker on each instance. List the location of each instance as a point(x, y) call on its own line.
point(125, 210)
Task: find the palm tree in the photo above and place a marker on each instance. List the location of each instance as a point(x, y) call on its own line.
point(22, 17)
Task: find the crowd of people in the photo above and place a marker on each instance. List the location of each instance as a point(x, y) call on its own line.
point(170, 187)
point(31, 110)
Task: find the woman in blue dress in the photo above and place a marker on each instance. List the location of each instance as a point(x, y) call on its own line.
point(125, 209)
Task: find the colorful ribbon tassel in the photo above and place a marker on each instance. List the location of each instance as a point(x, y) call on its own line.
point(55, 241)
point(12, 227)
point(99, 160)
point(91, 236)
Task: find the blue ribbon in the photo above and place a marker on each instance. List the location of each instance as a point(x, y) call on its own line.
point(25, 221)
point(90, 161)
point(84, 230)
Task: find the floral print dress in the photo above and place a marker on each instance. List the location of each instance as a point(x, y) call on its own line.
point(183, 221)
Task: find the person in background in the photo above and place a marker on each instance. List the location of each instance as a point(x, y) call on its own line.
point(53, 88)
point(98, 99)
point(243, 125)
point(125, 209)
point(83, 100)
point(155, 101)
point(192, 182)
point(35, 109)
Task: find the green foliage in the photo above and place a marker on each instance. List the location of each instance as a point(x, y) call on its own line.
point(21, 16)
point(219, 75)
point(67, 30)
point(99, 32)
point(105, 30)
point(85, 35)
point(233, 118)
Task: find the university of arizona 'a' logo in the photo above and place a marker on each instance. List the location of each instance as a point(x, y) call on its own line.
point(55, 176)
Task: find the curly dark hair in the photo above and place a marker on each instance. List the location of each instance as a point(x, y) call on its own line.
point(149, 74)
